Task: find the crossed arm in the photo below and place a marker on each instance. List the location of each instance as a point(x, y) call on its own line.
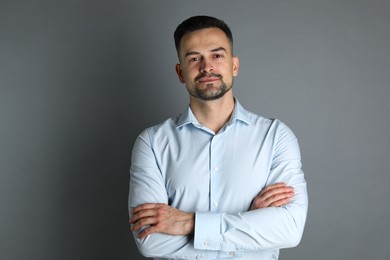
point(162, 218)
point(274, 219)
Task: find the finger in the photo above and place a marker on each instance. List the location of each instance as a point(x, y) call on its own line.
point(156, 226)
point(263, 202)
point(276, 191)
point(147, 231)
point(272, 186)
point(278, 197)
point(143, 222)
point(281, 202)
point(143, 214)
point(145, 206)
point(143, 234)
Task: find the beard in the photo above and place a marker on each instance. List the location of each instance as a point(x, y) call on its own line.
point(211, 91)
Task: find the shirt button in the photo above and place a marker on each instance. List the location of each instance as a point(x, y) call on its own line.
point(216, 169)
point(215, 204)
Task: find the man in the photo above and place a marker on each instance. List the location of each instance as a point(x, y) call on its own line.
point(216, 181)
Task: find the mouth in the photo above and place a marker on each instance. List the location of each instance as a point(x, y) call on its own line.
point(208, 78)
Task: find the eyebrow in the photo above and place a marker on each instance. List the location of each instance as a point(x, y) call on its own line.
point(213, 50)
point(219, 49)
point(191, 53)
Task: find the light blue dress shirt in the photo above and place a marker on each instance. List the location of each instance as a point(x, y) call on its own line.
point(217, 175)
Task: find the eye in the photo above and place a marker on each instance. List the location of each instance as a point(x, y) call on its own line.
point(193, 59)
point(218, 56)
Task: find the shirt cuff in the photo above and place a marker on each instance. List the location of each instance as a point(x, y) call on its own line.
point(207, 234)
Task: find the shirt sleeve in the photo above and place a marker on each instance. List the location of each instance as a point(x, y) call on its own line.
point(146, 176)
point(267, 228)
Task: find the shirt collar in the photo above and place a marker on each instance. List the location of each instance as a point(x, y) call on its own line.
point(239, 114)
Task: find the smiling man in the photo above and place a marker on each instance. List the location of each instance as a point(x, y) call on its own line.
point(217, 181)
point(206, 64)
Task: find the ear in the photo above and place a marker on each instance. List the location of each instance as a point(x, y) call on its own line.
point(236, 65)
point(179, 73)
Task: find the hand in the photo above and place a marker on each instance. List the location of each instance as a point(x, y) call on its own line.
point(275, 195)
point(162, 219)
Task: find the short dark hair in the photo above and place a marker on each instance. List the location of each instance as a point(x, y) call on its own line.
point(201, 22)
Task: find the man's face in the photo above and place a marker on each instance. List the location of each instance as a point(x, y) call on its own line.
point(207, 66)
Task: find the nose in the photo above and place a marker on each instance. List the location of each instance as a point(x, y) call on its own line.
point(206, 66)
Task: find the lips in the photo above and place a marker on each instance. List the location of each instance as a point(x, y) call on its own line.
point(208, 79)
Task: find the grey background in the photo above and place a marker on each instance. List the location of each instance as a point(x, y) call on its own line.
point(80, 79)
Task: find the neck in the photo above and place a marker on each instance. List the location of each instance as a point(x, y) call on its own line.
point(213, 114)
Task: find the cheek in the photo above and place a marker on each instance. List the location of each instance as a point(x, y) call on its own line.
point(192, 73)
point(185, 74)
point(187, 77)
point(229, 71)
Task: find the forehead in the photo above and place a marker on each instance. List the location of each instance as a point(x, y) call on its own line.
point(204, 39)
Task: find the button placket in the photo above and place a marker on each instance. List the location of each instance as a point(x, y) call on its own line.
point(214, 169)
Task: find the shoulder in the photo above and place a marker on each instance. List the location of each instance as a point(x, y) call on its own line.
point(272, 125)
point(164, 128)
